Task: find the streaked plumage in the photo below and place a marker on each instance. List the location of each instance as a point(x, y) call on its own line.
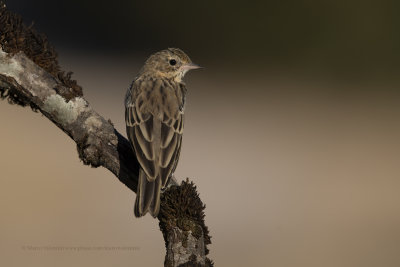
point(154, 115)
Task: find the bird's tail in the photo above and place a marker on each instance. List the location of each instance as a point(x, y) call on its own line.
point(147, 196)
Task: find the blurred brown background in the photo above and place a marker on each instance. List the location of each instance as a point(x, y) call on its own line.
point(291, 134)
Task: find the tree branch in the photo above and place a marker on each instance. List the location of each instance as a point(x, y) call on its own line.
point(99, 144)
point(30, 75)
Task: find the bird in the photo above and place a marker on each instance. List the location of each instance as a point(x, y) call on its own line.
point(154, 117)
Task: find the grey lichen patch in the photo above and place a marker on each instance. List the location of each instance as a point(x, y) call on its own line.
point(64, 112)
point(93, 124)
point(33, 82)
point(186, 249)
point(22, 71)
point(9, 66)
point(26, 74)
point(114, 140)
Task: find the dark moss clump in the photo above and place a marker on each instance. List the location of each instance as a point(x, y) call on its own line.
point(15, 36)
point(181, 207)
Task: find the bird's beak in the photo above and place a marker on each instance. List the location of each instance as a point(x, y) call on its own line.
point(191, 66)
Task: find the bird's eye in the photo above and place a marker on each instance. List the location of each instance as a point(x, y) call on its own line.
point(172, 62)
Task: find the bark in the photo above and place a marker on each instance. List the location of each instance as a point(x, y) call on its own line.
point(27, 79)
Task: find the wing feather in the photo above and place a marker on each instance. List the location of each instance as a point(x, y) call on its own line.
point(146, 129)
point(167, 171)
point(147, 165)
point(167, 133)
point(145, 145)
point(166, 153)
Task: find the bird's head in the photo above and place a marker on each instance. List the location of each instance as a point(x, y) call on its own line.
point(171, 63)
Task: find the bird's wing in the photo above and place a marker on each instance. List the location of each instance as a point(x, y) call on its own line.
point(171, 141)
point(156, 139)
